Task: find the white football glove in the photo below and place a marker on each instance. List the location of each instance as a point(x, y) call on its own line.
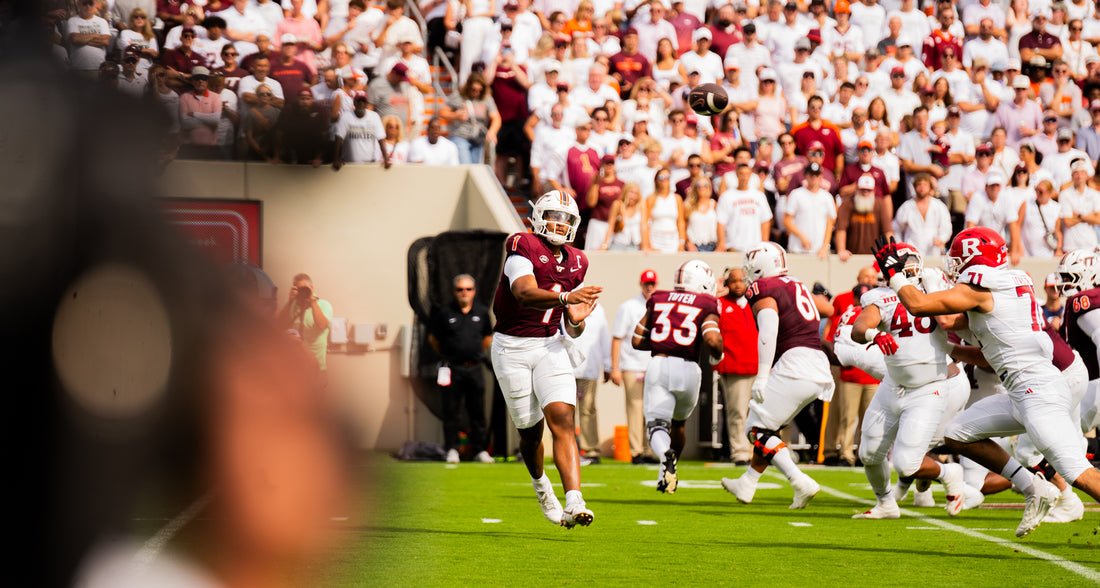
point(758, 386)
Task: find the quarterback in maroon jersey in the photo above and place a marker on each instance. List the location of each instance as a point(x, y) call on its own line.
point(793, 370)
point(674, 325)
point(544, 277)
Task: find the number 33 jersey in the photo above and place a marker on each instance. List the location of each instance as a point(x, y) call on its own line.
point(798, 316)
point(676, 322)
point(921, 357)
point(1011, 334)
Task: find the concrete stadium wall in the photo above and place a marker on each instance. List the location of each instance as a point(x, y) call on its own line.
point(351, 232)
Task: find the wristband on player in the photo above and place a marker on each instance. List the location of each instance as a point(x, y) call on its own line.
point(870, 335)
point(563, 298)
point(573, 324)
point(899, 281)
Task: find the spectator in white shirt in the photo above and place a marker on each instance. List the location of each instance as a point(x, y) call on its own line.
point(924, 222)
point(433, 148)
point(702, 59)
point(990, 209)
point(743, 213)
point(1080, 210)
point(1041, 228)
point(809, 215)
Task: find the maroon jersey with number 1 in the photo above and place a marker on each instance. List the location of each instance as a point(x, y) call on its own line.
point(676, 322)
point(798, 316)
point(550, 274)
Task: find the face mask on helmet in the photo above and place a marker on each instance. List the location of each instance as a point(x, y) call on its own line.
point(913, 265)
point(1076, 272)
point(555, 217)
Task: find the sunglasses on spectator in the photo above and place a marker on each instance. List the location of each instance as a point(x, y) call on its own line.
point(662, 176)
point(865, 149)
point(695, 165)
point(1050, 120)
point(1075, 29)
point(702, 185)
point(130, 60)
point(899, 75)
point(230, 54)
point(464, 289)
point(816, 153)
point(265, 94)
point(786, 142)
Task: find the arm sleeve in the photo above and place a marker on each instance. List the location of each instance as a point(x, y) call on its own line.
point(517, 266)
point(767, 321)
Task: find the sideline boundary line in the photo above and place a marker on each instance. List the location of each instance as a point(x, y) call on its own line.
point(1063, 563)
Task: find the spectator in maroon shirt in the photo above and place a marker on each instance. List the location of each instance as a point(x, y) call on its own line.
point(181, 61)
point(508, 82)
point(628, 66)
point(292, 75)
point(685, 24)
point(1038, 41)
point(263, 47)
point(941, 40)
point(231, 71)
point(790, 163)
point(725, 31)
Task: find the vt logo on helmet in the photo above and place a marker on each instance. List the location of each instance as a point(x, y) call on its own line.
point(763, 261)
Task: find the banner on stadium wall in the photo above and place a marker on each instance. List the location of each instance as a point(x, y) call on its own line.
point(228, 231)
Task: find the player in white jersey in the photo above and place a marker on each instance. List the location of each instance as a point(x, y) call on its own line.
point(909, 405)
point(1001, 312)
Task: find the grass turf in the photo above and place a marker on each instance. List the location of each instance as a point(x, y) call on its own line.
point(475, 524)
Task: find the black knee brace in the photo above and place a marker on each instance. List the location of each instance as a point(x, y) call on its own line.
point(1044, 468)
point(760, 437)
point(659, 425)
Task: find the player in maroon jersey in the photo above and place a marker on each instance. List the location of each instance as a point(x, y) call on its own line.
point(793, 370)
point(674, 324)
point(533, 360)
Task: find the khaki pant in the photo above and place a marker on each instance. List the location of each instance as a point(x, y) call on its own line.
point(736, 393)
point(634, 388)
point(853, 400)
point(587, 417)
point(956, 202)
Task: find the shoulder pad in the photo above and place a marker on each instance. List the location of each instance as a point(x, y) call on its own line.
point(875, 296)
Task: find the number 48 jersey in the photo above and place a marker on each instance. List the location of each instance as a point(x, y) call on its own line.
point(676, 322)
point(1010, 335)
point(921, 357)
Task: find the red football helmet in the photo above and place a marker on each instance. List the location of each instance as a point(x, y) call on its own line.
point(975, 246)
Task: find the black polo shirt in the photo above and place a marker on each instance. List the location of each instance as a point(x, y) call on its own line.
point(460, 334)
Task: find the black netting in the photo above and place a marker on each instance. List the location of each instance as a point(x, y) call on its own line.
point(433, 264)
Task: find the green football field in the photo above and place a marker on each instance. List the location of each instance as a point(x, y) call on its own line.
point(479, 524)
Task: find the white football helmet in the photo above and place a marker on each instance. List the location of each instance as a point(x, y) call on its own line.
point(694, 276)
point(555, 207)
point(1077, 271)
point(764, 261)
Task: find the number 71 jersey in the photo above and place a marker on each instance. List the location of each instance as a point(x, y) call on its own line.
point(1010, 335)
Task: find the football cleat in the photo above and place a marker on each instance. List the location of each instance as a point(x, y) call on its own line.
point(452, 456)
point(974, 497)
point(923, 498)
point(576, 514)
point(1069, 508)
point(741, 489)
point(551, 508)
point(1044, 496)
point(954, 487)
point(882, 510)
point(483, 457)
point(805, 488)
point(667, 481)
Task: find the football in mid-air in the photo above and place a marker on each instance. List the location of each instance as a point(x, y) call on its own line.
point(708, 99)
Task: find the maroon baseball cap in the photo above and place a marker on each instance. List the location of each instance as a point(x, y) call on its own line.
point(400, 70)
point(816, 145)
point(607, 160)
point(648, 276)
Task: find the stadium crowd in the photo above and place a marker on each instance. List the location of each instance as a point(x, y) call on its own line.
point(846, 121)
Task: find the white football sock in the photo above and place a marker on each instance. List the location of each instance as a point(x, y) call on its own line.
point(660, 442)
point(782, 459)
point(973, 472)
point(939, 474)
point(878, 475)
point(573, 497)
point(1021, 477)
point(751, 476)
point(541, 483)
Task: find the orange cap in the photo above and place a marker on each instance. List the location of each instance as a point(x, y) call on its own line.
point(842, 6)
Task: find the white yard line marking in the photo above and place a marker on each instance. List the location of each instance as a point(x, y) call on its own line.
point(793, 524)
point(155, 544)
point(1065, 564)
point(939, 529)
point(490, 520)
point(647, 522)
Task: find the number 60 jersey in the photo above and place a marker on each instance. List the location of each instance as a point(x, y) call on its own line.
point(921, 357)
point(798, 316)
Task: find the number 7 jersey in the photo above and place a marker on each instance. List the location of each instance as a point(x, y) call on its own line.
point(1011, 334)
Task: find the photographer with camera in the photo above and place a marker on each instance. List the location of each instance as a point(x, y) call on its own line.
point(305, 312)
